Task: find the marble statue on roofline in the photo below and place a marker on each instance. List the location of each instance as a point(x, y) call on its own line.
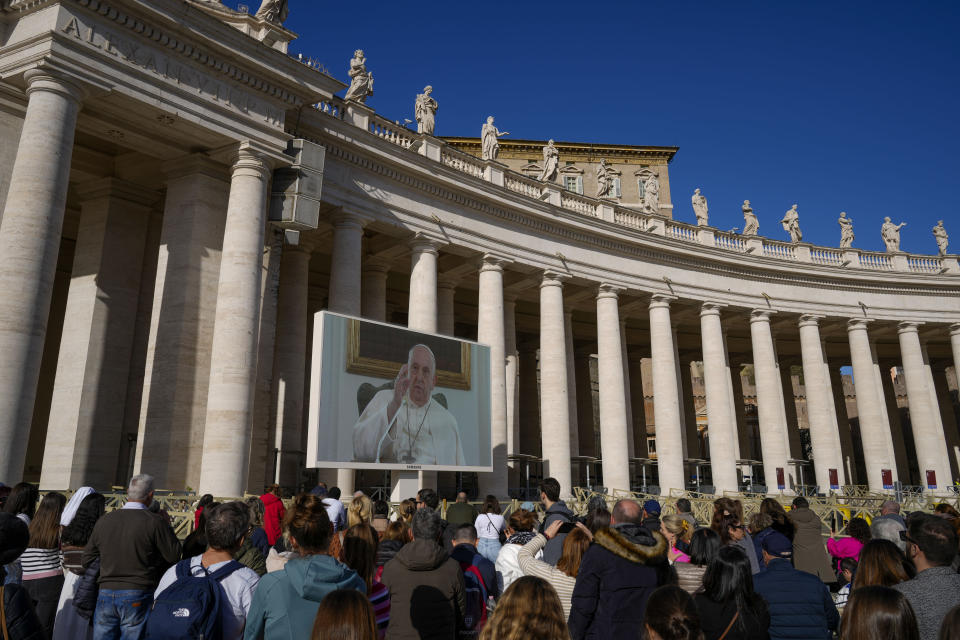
point(940, 234)
point(700, 208)
point(551, 162)
point(361, 80)
point(846, 230)
point(651, 194)
point(750, 223)
point(273, 11)
point(891, 234)
point(604, 179)
point(425, 111)
point(791, 224)
point(490, 147)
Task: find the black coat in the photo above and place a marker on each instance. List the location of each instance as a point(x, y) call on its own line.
point(618, 573)
point(22, 620)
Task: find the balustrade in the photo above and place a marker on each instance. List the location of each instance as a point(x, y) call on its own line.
point(730, 242)
point(522, 184)
point(629, 218)
point(880, 261)
point(924, 264)
point(391, 132)
point(782, 250)
point(462, 161)
point(580, 204)
point(332, 107)
point(681, 231)
point(822, 255)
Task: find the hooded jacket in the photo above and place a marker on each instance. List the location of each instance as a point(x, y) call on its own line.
point(427, 597)
point(273, 512)
point(618, 573)
point(22, 620)
point(809, 553)
point(285, 602)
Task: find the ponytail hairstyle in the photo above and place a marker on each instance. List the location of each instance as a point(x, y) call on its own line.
point(677, 526)
point(307, 524)
point(360, 511)
point(672, 615)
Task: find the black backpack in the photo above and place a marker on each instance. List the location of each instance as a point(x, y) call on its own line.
point(192, 606)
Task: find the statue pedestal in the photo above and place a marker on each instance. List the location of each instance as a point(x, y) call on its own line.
point(850, 258)
point(706, 236)
point(493, 172)
point(358, 115)
point(754, 245)
point(803, 252)
point(551, 194)
point(950, 265)
point(899, 261)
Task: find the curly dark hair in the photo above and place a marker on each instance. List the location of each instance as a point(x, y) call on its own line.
point(859, 529)
point(77, 533)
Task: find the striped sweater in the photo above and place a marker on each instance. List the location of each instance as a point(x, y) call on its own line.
point(380, 601)
point(41, 563)
point(558, 579)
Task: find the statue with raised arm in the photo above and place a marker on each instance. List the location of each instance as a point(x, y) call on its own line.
point(273, 11)
point(651, 194)
point(846, 230)
point(551, 161)
point(891, 234)
point(750, 223)
point(700, 208)
point(791, 224)
point(361, 80)
point(942, 238)
point(604, 179)
point(490, 147)
point(425, 111)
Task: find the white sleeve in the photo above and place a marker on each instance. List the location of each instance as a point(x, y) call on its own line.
point(371, 426)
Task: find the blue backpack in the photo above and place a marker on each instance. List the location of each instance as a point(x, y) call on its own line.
point(191, 607)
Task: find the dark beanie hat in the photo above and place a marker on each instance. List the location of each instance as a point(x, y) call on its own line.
point(14, 536)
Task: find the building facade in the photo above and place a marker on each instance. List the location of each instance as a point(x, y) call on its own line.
point(180, 196)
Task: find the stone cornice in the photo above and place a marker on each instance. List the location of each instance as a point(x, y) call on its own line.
point(571, 150)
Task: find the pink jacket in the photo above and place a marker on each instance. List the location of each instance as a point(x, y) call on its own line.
point(841, 548)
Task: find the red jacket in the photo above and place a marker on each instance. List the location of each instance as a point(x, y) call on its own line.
point(273, 511)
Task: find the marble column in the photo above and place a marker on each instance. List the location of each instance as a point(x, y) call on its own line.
point(422, 306)
point(943, 407)
point(585, 417)
point(528, 436)
point(613, 402)
point(744, 438)
point(554, 406)
point(843, 423)
point(446, 291)
point(29, 244)
point(374, 290)
point(512, 378)
point(955, 347)
point(875, 436)
point(790, 411)
point(638, 405)
point(907, 469)
point(628, 400)
point(928, 436)
point(490, 331)
point(688, 409)
point(770, 411)
point(175, 384)
point(716, 382)
point(666, 406)
point(289, 364)
point(84, 430)
point(571, 384)
point(233, 355)
point(736, 402)
point(824, 436)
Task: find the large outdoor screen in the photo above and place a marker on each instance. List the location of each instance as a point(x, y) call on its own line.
point(386, 397)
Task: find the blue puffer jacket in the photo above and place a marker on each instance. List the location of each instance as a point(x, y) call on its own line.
point(800, 604)
point(618, 573)
point(758, 544)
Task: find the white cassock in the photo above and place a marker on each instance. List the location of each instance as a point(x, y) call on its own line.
point(418, 435)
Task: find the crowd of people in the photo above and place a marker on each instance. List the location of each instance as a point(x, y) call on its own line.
point(317, 568)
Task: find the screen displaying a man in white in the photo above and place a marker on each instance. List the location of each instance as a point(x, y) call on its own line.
point(406, 424)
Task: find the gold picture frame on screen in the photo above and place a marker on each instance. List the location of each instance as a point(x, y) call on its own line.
point(379, 350)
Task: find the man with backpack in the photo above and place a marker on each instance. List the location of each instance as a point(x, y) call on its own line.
point(208, 595)
point(135, 547)
point(554, 509)
point(479, 578)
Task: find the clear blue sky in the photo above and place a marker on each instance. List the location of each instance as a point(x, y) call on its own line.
point(835, 106)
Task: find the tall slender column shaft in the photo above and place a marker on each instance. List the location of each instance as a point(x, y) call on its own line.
point(927, 431)
point(233, 355)
point(490, 331)
point(717, 387)
point(874, 428)
point(666, 406)
point(446, 317)
point(613, 402)
point(585, 417)
point(512, 378)
point(528, 436)
point(29, 242)
point(638, 405)
point(374, 290)
point(628, 399)
point(770, 410)
point(554, 407)
point(824, 438)
point(843, 423)
point(571, 384)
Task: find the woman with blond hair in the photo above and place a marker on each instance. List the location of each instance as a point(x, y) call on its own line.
point(676, 529)
point(360, 511)
point(528, 610)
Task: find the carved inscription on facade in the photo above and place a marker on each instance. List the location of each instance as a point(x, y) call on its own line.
point(171, 70)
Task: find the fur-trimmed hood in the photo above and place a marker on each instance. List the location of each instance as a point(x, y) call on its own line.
point(633, 543)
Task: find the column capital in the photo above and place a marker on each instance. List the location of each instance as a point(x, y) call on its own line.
point(711, 308)
point(858, 324)
point(493, 262)
point(194, 163)
point(248, 161)
point(426, 243)
point(955, 329)
point(348, 220)
point(111, 187)
point(376, 265)
point(553, 279)
point(447, 282)
point(908, 327)
point(661, 300)
point(809, 320)
point(53, 82)
point(607, 290)
point(761, 315)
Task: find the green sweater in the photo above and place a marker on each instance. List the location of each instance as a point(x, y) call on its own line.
point(135, 547)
